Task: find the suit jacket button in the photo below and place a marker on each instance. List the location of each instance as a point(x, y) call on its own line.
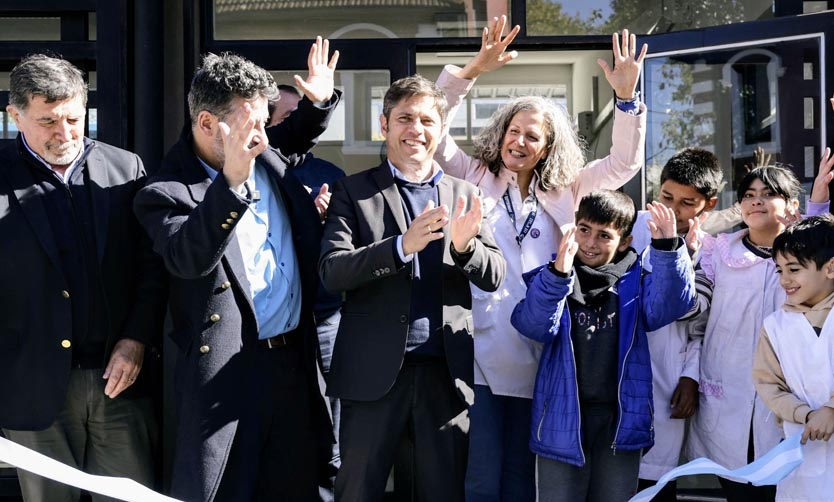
point(204, 349)
point(214, 317)
point(225, 285)
point(65, 293)
point(234, 214)
point(225, 226)
point(229, 221)
point(403, 318)
point(66, 344)
point(387, 270)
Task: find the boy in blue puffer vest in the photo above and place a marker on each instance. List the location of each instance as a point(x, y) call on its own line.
point(592, 406)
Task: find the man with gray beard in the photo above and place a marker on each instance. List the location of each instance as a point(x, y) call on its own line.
point(85, 297)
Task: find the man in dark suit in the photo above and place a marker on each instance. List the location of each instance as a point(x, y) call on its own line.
point(403, 355)
point(239, 237)
point(85, 297)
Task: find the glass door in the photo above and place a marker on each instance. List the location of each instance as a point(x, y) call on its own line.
point(733, 92)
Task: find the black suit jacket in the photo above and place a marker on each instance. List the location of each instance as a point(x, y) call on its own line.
point(35, 316)
point(191, 221)
point(358, 256)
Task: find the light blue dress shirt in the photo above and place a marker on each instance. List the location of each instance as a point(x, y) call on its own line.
point(264, 234)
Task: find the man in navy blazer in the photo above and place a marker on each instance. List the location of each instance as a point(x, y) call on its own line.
point(84, 295)
point(401, 243)
point(239, 237)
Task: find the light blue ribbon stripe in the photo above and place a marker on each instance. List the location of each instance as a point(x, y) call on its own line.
point(769, 469)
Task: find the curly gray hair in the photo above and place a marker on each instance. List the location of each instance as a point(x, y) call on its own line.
point(53, 78)
point(564, 149)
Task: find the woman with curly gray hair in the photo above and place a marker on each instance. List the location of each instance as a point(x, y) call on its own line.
point(530, 166)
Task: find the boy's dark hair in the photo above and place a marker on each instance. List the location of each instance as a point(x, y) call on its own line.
point(608, 207)
point(694, 167)
point(808, 240)
point(778, 178)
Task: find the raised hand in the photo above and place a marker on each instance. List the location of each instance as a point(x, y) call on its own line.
point(492, 54)
point(466, 225)
point(819, 192)
point(425, 228)
point(662, 225)
point(243, 140)
point(627, 65)
point(566, 252)
point(792, 214)
point(320, 83)
point(693, 236)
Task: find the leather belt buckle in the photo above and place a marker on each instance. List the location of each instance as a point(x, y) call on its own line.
point(278, 341)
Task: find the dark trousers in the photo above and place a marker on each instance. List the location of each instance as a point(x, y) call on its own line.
point(607, 476)
point(501, 466)
point(273, 456)
point(668, 493)
point(421, 402)
point(745, 492)
point(93, 433)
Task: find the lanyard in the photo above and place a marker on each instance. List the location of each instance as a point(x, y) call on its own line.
point(528, 223)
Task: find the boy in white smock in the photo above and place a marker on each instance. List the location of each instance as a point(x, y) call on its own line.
point(793, 368)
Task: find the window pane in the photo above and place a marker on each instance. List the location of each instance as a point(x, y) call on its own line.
point(731, 102)
point(352, 140)
point(8, 130)
point(30, 28)
point(334, 19)
point(585, 17)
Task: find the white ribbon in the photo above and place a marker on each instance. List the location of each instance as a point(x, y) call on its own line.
point(769, 469)
point(34, 462)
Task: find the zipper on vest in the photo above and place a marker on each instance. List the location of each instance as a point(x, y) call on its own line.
point(578, 405)
point(541, 421)
point(620, 389)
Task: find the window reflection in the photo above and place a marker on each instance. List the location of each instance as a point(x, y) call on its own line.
point(346, 19)
point(731, 102)
point(591, 17)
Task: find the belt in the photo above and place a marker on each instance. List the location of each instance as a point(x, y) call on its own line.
point(281, 340)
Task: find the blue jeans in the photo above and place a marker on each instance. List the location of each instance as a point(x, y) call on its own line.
point(501, 466)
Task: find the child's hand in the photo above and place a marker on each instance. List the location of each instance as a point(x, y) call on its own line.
point(820, 425)
point(692, 238)
point(792, 214)
point(567, 251)
point(685, 398)
point(662, 225)
point(819, 192)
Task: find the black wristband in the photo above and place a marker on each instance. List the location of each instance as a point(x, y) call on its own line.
point(552, 267)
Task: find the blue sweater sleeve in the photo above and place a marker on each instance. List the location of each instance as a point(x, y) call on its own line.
point(538, 315)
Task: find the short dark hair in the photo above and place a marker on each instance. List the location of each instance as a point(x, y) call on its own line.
point(808, 240)
point(408, 87)
point(223, 78)
point(272, 105)
point(54, 78)
point(778, 178)
point(608, 207)
point(697, 168)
